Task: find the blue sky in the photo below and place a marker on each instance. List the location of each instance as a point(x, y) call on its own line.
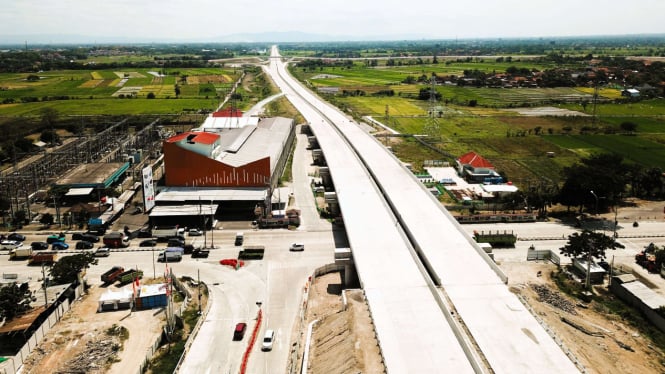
point(204, 19)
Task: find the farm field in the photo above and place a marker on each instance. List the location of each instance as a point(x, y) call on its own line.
point(110, 106)
point(96, 92)
point(474, 119)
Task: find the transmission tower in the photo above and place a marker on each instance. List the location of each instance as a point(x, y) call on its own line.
point(432, 126)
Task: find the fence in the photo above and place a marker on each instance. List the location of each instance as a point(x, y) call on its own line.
point(543, 254)
point(15, 362)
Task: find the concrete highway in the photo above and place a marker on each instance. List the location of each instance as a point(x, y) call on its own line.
point(468, 281)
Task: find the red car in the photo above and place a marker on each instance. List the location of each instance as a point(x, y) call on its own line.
point(239, 332)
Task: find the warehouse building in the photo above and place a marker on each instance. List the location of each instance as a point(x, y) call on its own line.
point(231, 170)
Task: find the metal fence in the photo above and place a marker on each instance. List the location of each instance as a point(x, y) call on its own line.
point(15, 362)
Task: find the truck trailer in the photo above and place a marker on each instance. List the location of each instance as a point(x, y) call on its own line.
point(130, 275)
point(164, 233)
point(39, 258)
point(112, 274)
point(116, 240)
point(21, 253)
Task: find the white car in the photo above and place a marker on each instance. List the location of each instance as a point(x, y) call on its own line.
point(9, 244)
point(268, 340)
point(102, 252)
point(297, 247)
point(195, 232)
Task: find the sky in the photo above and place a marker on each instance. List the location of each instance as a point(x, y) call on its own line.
point(205, 20)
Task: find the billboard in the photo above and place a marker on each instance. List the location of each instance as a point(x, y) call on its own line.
point(148, 189)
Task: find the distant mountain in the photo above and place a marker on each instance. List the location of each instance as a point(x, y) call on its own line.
point(298, 36)
point(260, 37)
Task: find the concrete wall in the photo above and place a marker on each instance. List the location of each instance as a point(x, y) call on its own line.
point(185, 168)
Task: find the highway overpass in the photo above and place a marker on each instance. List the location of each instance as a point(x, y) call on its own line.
point(437, 301)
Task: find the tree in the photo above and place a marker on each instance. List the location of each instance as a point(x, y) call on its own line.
point(589, 244)
point(151, 95)
point(628, 126)
point(46, 219)
point(49, 136)
point(605, 174)
point(49, 116)
point(66, 270)
point(14, 300)
point(19, 217)
point(5, 205)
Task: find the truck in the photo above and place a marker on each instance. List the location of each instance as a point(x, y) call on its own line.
point(40, 258)
point(20, 253)
point(130, 275)
point(116, 240)
point(164, 233)
point(252, 252)
point(171, 254)
point(112, 274)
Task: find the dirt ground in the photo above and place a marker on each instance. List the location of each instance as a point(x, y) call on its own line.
point(608, 345)
point(601, 343)
point(343, 341)
point(81, 336)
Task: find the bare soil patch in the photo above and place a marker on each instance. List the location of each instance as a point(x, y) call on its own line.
point(80, 342)
point(201, 79)
point(602, 342)
point(343, 340)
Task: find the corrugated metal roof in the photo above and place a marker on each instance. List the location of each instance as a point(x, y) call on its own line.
point(648, 296)
point(267, 139)
point(206, 194)
point(219, 123)
point(183, 210)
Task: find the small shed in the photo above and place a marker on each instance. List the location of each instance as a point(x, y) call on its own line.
point(115, 300)
point(151, 296)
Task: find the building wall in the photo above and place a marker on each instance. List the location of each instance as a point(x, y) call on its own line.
point(185, 168)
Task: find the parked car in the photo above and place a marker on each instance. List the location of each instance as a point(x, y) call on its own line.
point(77, 236)
point(176, 242)
point(297, 247)
point(59, 245)
point(195, 232)
point(55, 238)
point(84, 245)
point(103, 252)
point(90, 238)
point(38, 246)
point(145, 233)
point(268, 340)
point(239, 331)
point(148, 243)
point(9, 244)
point(16, 237)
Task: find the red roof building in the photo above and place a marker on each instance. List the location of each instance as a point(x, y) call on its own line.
point(474, 168)
point(475, 160)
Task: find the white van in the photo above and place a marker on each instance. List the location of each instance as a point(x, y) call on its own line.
point(268, 340)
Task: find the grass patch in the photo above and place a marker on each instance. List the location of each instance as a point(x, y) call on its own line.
point(168, 356)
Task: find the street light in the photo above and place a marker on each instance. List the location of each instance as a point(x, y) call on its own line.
point(595, 197)
point(587, 282)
